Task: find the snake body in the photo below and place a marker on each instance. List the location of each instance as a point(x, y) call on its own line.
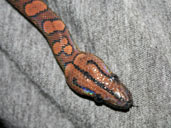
point(85, 73)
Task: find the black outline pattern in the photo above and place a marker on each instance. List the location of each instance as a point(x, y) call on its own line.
point(51, 20)
point(74, 81)
point(93, 62)
point(71, 62)
point(29, 2)
point(62, 51)
point(112, 76)
point(101, 85)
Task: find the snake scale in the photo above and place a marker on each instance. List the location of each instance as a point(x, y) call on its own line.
point(85, 73)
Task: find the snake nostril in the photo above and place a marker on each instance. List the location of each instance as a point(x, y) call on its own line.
point(128, 104)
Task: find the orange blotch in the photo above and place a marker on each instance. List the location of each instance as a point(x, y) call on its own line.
point(68, 49)
point(59, 25)
point(35, 7)
point(63, 41)
point(48, 27)
point(51, 26)
point(68, 70)
point(80, 59)
point(56, 48)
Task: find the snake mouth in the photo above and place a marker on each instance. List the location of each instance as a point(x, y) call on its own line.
point(120, 107)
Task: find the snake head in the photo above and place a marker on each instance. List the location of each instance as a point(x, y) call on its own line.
point(88, 75)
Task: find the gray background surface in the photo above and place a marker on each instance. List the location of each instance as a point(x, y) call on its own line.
point(133, 37)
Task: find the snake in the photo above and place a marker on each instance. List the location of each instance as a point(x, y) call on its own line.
point(85, 73)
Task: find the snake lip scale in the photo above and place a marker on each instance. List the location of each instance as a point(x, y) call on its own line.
point(85, 73)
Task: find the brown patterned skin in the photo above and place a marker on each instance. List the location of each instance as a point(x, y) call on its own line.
point(85, 73)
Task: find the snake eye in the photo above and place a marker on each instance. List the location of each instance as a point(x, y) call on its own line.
point(98, 99)
point(114, 77)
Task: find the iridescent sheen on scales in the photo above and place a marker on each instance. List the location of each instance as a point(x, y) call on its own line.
point(85, 73)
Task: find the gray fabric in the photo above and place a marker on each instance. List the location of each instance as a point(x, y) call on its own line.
point(132, 37)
